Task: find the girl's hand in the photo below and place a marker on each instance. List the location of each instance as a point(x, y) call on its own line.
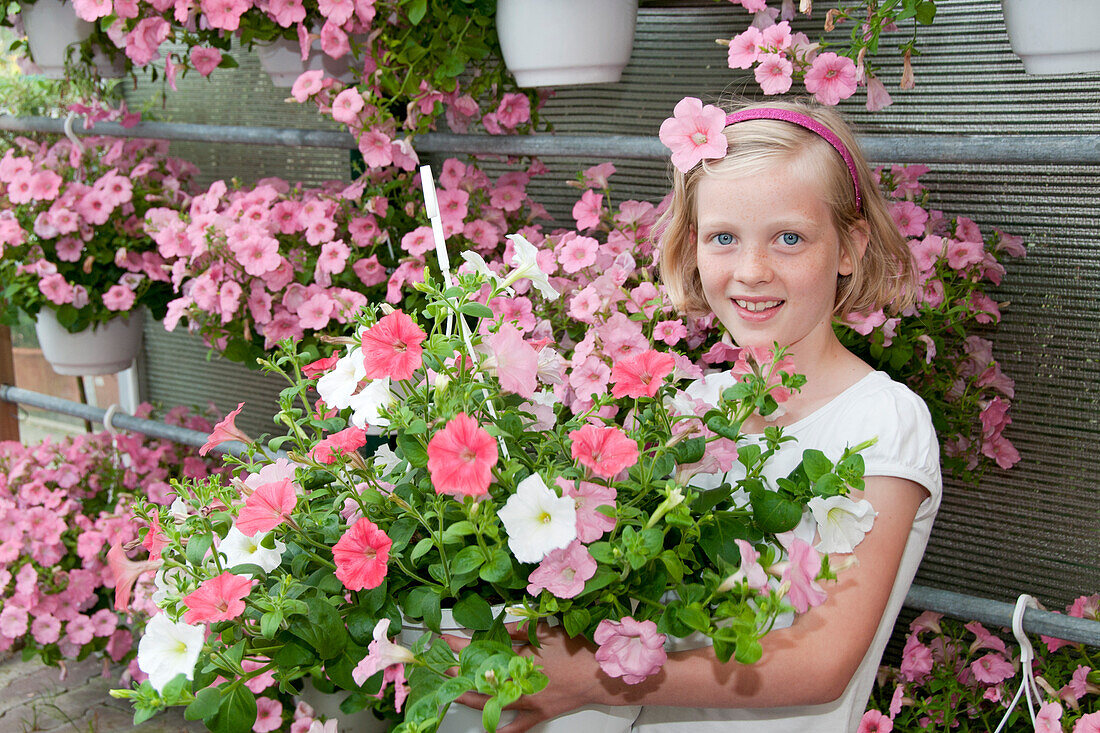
point(574, 673)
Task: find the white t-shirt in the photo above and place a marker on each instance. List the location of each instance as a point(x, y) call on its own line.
point(875, 406)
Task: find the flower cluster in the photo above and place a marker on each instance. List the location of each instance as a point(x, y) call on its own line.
point(255, 265)
point(936, 347)
point(404, 64)
point(586, 515)
point(954, 674)
point(779, 56)
point(71, 226)
point(61, 504)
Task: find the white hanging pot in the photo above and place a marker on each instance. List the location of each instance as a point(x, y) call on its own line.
point(329, 706)
point(461, 719)
point(105, 349)
point(1054, 36)
point(52, 26)
point(282, 60)
point(561, 42)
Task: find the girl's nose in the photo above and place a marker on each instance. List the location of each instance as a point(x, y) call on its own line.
point(753, 266)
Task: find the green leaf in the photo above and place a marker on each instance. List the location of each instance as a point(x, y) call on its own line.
point(828, 485)
point(774, 513)
point(468, 559)
point(473, 612)
point(417, 10)
point(237, 712)
point(204, 705)
point(473, 308)
point(400, 532)
point(717, 538)
point(815, 463)
point(576, 620)
point(691, 450)
point(458, 530)
point(322, 628)
point(926, 12)
point(422, 548)
point(719, 425)
point(197, 546)
point(497, 568)
point(269, 624)
point(412, 450)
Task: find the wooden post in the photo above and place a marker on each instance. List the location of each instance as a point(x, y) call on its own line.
point(9, 412)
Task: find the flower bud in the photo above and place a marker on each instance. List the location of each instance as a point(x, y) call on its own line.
point(830, 19)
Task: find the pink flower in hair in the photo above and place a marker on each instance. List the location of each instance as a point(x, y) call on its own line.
point(693, 133)
point(773, 73)
point(831, 78)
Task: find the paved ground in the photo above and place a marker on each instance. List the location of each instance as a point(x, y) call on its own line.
point(33, 698)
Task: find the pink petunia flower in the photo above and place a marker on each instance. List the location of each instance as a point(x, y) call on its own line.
point(124, 572)
point(693, 133)
point(641, 375)
point(744, 49)
point(588, 498)
point(801, 569)
point(362, 556)
point(119, 298)
point(992, 668)
point(347, 105)
point(267, 507)
point(632, 650)
point(391, 347)
point(347, 441)
point(774, 73)
point(461, 457)
point(578, 253)
point(269, 715)
point(307, 84)
point(874, 721)
point(516, 361)
point(563, 572)
point(224, 431)
point(587, 211)
point(1088, 723)
point(1049, 718)
point(831, 78)
point(220, 598)
point(604, 450)
point(205, 59)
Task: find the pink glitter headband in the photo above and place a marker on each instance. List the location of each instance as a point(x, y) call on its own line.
point(797, 118)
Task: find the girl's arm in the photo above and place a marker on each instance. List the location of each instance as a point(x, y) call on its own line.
point(809, 663)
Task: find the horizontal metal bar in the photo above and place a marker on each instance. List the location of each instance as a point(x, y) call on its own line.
point(119, 420)
point(999, 614)
point(1018, 149)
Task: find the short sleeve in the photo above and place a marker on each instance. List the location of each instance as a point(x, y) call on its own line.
point(907, 446)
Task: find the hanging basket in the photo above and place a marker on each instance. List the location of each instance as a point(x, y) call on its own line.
point(106, 349)
point(52, 27)
point(462, 719)
point(562, 42)
point(1054, 36)
point(282, 60)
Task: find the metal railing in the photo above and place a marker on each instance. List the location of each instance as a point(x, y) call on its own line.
point(1011, 149)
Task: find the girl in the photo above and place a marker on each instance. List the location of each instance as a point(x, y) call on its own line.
point(784, 233)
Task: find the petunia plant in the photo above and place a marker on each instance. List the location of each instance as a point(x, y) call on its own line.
point(476, 504)
point(71, 237)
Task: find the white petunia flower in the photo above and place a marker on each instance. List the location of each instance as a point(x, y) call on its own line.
point(477, 262)
point(525, 260)
point(239, 549)
point(370, 400)
point(337, 386)
point(385, 460)
point(169, 648)
point(841, 522)
point(537, 520)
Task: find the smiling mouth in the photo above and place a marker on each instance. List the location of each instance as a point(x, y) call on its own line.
point(757, 307)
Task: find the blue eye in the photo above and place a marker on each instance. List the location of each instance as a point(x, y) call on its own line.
point(724, 238)
point(790, 238)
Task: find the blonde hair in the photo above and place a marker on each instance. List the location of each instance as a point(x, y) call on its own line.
point(883, 276)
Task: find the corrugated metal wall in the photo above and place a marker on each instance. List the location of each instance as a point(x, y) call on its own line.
point(1035, 528)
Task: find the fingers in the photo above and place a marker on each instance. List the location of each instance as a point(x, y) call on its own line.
point(456, 643)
